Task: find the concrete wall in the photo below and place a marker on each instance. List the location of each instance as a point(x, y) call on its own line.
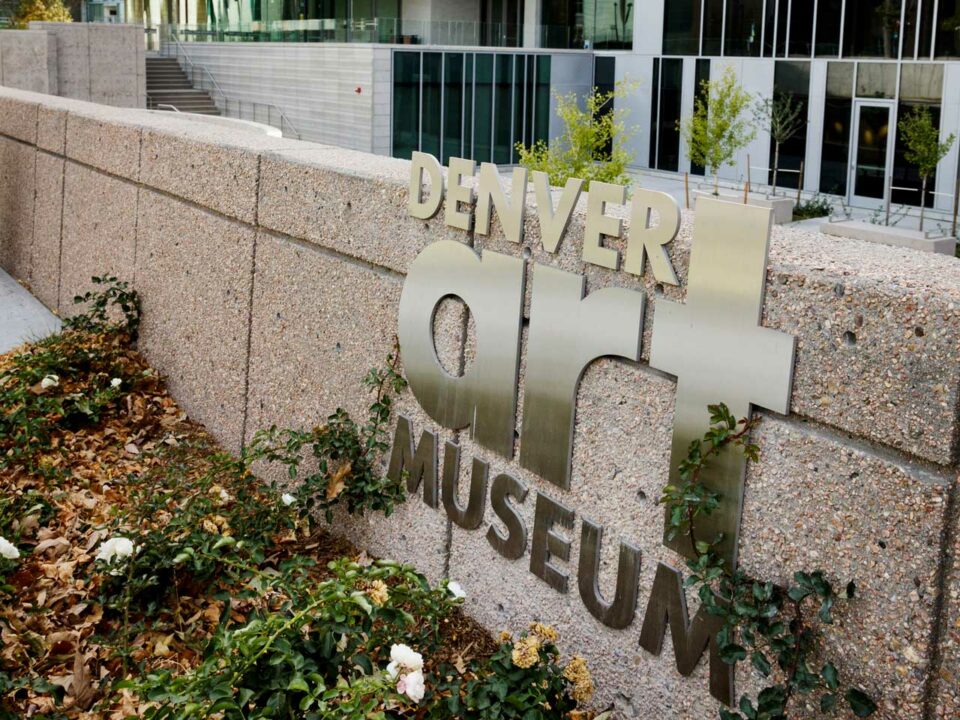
point(103, 63)
point(28, 60)
point(271, 271)
point(315, 84)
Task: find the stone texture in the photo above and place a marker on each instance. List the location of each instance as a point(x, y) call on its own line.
point(18, 119)
point(97, 139)
point(26, 61)
point(319, 324)
point(946, 683)
point(16, 206)
point(114, 71)
point(194, 270)
point(52, 129)
point(347, 201)
point(45, 276)
point(99, 231)
point(218, 177)
point(812, 502)
point(73, 57)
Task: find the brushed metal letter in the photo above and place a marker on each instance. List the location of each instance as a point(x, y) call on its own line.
point(420, 464)
point(568, 332)
point(619, 613)
point(554, 224)
point(715, 346)
point(668, 603)
point(547, 544)
point(471, 516)
point(514, 544)
point(650, 242)
point(485, 397)
point(599, 224)
point(458, 193)
point(510, 210)
point(416, 205)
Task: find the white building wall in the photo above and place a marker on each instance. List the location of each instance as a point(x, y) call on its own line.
point(687, 95)
point(636, 69)
point(949, 123)
point(816, 102)
point(315, 84)
point(756, 77)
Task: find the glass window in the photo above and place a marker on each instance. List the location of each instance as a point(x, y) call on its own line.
point(608, 24)
point(483, 114)
point(559, 26)
point(828, 27)
point(769, 27)
point(604, 81)
point(406, 104)
point(654, 111)
point(519, 99)
point(503, 109)
point(792, 79)
point(783, 13)
point(744, 23)
point(872, 28)
point(910, 14)
point(542, 110)
point(712, 26)
point(452, 106)
point(948, 29)
point(925, 41)
point(837, 110)
point(876, 80)
point(430, 117)
point(681, 28)
point(921, 83)
point(668, 143)
point(801, 28)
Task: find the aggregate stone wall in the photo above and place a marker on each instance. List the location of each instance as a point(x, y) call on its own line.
point(28, 60)
point(271, 271)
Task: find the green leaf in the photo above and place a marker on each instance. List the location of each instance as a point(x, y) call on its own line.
point(828, 702)
point(861, 703)
point(760, 662)
point(830, 676)
point(732, 653)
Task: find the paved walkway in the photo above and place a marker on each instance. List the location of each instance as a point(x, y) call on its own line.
point(22, 316)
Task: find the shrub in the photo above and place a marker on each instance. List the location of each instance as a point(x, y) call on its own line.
point(592, 144)
point(817, 206)
point(41, 11)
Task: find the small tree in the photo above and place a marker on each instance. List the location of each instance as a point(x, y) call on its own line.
point(41, 11)
point(717, 129)
point(592, 144)
point(923, 147)
point(782, 115)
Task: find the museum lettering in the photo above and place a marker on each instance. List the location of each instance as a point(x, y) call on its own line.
point(569, 328)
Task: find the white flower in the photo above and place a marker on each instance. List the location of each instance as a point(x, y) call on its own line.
point(50, 381)
point(115, 548)
point(411, 685)
point(287, 499)
point(404, 659)
point(456, 589)
point(8, 550)
point(116, 382)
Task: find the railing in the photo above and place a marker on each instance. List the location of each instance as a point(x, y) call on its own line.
point(258, 109)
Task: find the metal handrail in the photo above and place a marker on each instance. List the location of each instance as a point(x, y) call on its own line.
point(167, 106)
point(226, 101)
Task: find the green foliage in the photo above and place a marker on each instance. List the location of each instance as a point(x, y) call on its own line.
point(346, 455)
point(718, 129)
point(321, 652)
point(522, 680)
point(921, 139)
point(68, 380)
point(592, 144)
point(817, 206)
point(115, 297)
point(775, 628)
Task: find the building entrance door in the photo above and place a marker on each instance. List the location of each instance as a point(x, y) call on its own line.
point(871, 154)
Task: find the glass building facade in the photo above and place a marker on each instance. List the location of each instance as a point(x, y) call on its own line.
point(890, 29)
point(476, 105)
point(582, 24)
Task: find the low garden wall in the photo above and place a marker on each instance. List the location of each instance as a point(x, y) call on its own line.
point(271, 273)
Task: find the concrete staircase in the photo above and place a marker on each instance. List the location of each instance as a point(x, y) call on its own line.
point(168, 85)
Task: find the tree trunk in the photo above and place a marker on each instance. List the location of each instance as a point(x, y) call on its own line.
point(923, 200)
point(776, 166)
point(716, 184)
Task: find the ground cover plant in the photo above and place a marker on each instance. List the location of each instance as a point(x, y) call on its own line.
point(147, 573)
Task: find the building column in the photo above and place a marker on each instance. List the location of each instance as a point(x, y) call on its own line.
point(687, 95)
point(949, 123)
point(532, 16)
point(816, 101)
